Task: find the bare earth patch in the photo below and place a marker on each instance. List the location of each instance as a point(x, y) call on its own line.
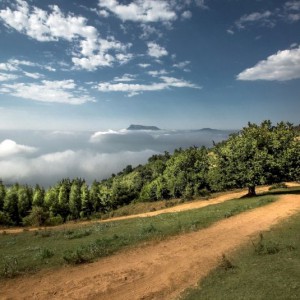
point(153, 271)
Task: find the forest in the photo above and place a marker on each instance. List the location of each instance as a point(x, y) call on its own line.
point(256, 155)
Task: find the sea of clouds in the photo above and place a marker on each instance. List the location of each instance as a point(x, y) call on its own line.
point(45, 157)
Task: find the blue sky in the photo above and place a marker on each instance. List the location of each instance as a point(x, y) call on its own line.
point(185, 64)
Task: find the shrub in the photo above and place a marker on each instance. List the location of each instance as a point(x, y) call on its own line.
point(37, 217)
point(5, 219)
point(45, 253)
point(78, 256)
point(54, 221)
point(77, 234)
point(11, 266)
point(280, 185)
point(226, 264)
point(263, 247)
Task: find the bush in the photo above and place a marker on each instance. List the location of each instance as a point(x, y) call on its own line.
point(11, 266)
point(78, 256)
point(263, 247)
point(77, 234)
point(275, 186)
point(54, 221)
point(5, 219)
point(45, 253)
point(37, 217)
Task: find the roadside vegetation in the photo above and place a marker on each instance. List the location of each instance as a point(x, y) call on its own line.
point(267, 269)
point(31, 251)
point(258, 154)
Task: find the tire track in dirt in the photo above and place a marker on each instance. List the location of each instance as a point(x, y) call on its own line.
point(154, 271)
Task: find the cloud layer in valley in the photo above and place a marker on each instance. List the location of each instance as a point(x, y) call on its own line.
point(45, 157)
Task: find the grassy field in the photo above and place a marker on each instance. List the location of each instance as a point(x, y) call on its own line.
point(268, 269)
point(31, 251)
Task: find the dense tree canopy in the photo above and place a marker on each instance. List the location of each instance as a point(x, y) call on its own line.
point(258, 154)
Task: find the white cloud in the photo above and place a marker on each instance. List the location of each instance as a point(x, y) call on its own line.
point(158, 73)
point(135, 88)
point(64, 91)
point(144, 65)
point(95, 138)
point(292, 5)
point(125, 78)
point(156, 50)
point(9, 148)
point(230, 31)
point(201, 4)
point(7, 77)
point(7, 67)
point(186, 15)
point(103, 13)
point(34, 75)
point(149, 30)
point(262, 19)
point(140, 10)
point(182, 65)
point(83, 163)
point(46, 27)
point(282, 66)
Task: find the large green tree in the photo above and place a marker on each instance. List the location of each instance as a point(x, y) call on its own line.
point(256, 155)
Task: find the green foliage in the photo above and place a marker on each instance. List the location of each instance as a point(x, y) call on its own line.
point(2, 194)
point(276, 186)
point(10, 205)
point(77, 256)
point(265, 247)
point(10, 266)
point(258, 154)
point(75, 200)
point(36, 217)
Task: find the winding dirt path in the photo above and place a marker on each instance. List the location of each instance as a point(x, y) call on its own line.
point(154, 271)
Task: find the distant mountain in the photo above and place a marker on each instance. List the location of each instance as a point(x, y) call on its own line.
point(142, 127)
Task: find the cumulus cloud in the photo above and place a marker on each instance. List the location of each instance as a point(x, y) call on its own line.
point(10, 147)
point(64, 91)
point(156, 50)
point(42, 26)
point(140, 11)
point(282, 66)
point(135, 88)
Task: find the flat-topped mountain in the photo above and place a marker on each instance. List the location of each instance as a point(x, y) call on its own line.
point(142, 127)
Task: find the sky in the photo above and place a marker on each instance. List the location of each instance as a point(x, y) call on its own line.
point(75, 74)
point(178, 64)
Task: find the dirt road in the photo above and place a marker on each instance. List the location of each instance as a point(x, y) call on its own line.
point(156, 271)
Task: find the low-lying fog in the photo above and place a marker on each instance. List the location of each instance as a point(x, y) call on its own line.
point(45, 157)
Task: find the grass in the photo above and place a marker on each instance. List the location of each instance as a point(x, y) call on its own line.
point(32, 251)
point(267, 269)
